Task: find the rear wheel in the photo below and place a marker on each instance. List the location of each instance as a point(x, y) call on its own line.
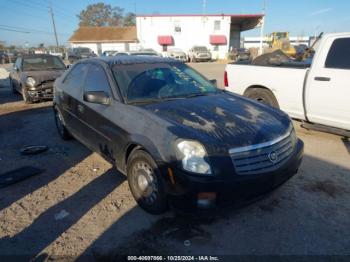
point(262, 95)
point(145, 183)
point(62, 130)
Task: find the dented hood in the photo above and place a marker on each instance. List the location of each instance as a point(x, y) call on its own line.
point(42, 76)
point(222, 119)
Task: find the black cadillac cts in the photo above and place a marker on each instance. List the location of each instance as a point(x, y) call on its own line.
point(178, 138)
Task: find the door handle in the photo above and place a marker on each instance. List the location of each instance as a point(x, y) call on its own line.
point(324, 79)
point(80, 108)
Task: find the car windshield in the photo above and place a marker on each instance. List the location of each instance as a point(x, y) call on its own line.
point(160, 81)
point(83, 50)
point(42, 63)
point(200, 49)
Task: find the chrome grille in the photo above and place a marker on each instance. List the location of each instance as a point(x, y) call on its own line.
point(262, 158)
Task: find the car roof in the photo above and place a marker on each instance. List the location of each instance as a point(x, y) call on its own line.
point(128, 59)
point(35, 55)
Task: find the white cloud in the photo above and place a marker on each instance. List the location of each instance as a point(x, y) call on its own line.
point(321, 11)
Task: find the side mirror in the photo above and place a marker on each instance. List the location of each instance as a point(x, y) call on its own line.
point(96, 97)
point(214, 82)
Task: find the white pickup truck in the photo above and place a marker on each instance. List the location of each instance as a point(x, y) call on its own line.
point(318, 94)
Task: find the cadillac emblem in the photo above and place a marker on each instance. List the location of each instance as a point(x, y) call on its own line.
point(273, 157)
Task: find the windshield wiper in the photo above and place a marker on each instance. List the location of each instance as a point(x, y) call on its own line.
point(196, 94)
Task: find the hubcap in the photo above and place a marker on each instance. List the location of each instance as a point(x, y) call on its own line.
point(147, 187)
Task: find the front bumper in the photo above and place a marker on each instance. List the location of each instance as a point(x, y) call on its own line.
point(184, 194)
point(41, 93)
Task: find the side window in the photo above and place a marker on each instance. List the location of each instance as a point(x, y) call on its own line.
point(96, 80)
point(18, 63)
point(217, 25)
point(75, 77)
point(339, 54)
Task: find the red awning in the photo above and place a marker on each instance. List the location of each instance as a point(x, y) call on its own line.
point(165, 40)
point(218, 40)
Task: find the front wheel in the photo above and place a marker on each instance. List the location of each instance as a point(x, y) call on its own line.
point(62, 130)
point(12, 86)
point(145, 183)
point(26, 97)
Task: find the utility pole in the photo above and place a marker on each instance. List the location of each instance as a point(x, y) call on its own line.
point(204, 6)
point(53, 24)
point(262, 27)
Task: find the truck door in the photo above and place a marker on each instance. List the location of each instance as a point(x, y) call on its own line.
point(328, 87)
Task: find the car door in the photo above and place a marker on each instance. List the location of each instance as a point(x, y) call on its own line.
point(70, 93)
point(328, 88)
point(98, 128)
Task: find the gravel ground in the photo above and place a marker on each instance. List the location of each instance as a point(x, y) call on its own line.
point(80, 206)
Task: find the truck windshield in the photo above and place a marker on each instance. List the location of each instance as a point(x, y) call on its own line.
point(42, 63)
point(149, 82)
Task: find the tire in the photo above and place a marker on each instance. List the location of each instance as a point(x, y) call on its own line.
point(12, 86)
point(262, 95)
point(145, 183)
point(62, 130)
point(26, 97)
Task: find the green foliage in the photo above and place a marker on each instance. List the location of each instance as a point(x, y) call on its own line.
point(101, 14)
point(129, 19)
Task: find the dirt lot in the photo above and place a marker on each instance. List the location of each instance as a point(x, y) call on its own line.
point(81, 207)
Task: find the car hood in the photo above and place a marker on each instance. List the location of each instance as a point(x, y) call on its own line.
point(223, 119)
point(42, 76)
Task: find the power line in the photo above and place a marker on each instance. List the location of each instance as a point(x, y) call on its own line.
point(13, 30)
point(28, 30)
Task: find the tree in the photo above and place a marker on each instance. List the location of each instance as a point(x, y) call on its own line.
point(101, 14)
point(129, 19)
point(41, 45)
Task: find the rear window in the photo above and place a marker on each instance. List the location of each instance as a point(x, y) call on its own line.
point(339, 54)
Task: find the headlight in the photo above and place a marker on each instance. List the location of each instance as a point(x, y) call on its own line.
point(293, 137)
point(30, 81)
point(192, 155)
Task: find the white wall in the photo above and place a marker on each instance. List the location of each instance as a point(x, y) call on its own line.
point(195, 30)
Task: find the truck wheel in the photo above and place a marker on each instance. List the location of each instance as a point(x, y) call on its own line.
point(145, 183)
point(262, 95)
point(62, 130)
point(26, 97)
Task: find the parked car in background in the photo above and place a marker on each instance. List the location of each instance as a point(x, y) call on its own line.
point(78, 53)
point(240, 54)
point(316, 93)
point(34, 75)
point(108, 53)
point(137, 53)
point(177, 54)
point(199, 53)
point(176, 136)
point(4, 57)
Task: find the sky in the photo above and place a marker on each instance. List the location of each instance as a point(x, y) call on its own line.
point(299, 17)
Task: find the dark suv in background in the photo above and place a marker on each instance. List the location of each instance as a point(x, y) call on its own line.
point(78, 53)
